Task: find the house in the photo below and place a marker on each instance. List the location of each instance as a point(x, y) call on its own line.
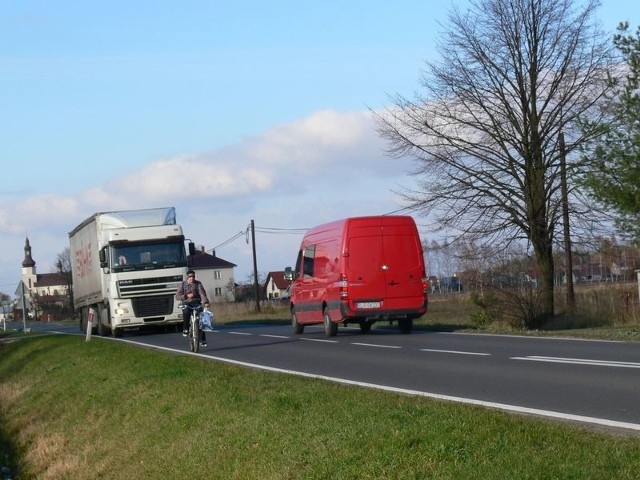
point(275, 286)
point(215, 273)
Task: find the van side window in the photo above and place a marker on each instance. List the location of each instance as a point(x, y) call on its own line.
point(307, 261)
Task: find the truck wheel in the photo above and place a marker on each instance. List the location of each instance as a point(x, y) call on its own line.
point(330, 328)
point(102, 331)
point(297, 327)
point(116, 332)
point(104, 318)
point(83, 321)
point(406, 325)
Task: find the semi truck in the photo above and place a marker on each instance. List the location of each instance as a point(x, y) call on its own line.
point(126, 268)
point(359, 270)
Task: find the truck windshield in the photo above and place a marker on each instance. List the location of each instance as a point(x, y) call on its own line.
point(147, 256)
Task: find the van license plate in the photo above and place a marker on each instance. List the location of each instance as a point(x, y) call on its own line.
point(368, 305)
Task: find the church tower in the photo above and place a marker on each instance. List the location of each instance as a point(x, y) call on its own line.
point(29, 276)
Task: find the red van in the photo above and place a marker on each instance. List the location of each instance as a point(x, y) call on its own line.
point(359, 270)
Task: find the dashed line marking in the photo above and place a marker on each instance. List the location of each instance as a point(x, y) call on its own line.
point(321, 340)
point(373, 345)
point(579, 361)
point(456, 352)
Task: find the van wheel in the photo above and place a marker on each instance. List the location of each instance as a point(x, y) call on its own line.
point(365, 326)
point(330, 328)
point(297, 327)
point(406, 325)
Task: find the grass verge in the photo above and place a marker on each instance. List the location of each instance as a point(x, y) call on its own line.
point(101, 409)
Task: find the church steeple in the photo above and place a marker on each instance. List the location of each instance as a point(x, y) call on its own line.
point(28, 262)
point(29, 275)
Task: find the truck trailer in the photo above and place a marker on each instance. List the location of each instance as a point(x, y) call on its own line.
point(126, 268)
point(359, 270)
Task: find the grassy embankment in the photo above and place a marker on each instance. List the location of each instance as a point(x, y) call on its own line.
point(72, 409)
point(102, 409)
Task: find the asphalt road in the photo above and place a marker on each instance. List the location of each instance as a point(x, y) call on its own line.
point(593, 382)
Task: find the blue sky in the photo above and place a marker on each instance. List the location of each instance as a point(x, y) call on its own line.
point(229, 111)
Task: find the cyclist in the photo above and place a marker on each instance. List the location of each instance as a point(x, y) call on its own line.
point(191, 292)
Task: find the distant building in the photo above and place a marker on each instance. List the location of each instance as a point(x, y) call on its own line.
point(216, 275)
point(275, 286)
point(41, 291)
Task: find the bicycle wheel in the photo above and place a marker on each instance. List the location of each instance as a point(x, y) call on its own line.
point(194, 333)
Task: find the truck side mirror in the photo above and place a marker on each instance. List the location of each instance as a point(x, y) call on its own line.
point(102, 255)
point(192, 248)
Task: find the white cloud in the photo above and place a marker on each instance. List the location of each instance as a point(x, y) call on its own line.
point(313, 148)
point(328, 165)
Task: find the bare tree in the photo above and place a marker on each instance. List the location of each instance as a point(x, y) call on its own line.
point(63, 267)
point(513, 76)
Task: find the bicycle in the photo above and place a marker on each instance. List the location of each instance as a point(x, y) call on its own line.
point(194, 325)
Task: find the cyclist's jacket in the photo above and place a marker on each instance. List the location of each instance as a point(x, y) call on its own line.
point(196, 288)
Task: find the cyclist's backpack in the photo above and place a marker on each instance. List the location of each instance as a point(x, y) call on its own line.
point(206, 320)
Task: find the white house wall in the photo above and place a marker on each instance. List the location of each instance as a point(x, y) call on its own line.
point(207, 277)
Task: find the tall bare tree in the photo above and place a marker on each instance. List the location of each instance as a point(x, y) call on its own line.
point(513, 76)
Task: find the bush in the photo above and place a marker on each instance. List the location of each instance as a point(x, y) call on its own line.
point(518, 306)
point(489, 308)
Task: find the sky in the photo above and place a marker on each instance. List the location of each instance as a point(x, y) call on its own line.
point(228, 111)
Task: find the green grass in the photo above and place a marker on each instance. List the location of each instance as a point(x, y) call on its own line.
point(103, 409)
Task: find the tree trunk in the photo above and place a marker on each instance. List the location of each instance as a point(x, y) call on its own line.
point(544, 261)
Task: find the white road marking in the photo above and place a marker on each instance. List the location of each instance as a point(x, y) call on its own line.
point(579, 361)
point(272, 336)
point(436, 396)
point(532, 337)
point(457, 352)
point(240, 333)
point(373, 345)
point(468, 401)
point(318, 340)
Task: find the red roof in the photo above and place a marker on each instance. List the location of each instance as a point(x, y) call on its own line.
point(205, 260)
point(51, 280)
point(278, 280)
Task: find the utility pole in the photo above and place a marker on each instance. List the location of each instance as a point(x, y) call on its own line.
point(255, 266)
point(24, 309)
point(571, 297)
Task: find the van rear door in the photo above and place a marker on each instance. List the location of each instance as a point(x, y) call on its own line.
point(385, 266)
point(403, 267)
point(365, 276)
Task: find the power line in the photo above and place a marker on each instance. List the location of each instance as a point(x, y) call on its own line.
point(286, 231)
point(228, 241)
point(269, 230)
point(281, 231)
point(408, 209)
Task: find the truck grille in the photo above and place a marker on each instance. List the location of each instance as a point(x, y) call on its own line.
point(152, 306)
point(149, 286)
